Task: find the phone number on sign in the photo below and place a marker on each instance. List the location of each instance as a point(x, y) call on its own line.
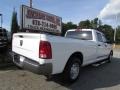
point(34, 27)
point(44, 24)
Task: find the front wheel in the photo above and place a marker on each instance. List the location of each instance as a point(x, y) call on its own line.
point(72, 70)
point(110, 57)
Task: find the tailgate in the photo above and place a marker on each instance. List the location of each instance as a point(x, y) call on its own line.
point(26, 44)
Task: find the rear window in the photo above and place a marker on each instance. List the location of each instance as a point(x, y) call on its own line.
point(83, 35)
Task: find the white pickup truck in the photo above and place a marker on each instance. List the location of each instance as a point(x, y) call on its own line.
point(48, 54)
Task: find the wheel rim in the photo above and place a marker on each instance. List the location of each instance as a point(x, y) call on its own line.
point(74, 71)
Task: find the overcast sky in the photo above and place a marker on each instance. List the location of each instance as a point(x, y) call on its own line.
point(69, 10)
point(111, 13)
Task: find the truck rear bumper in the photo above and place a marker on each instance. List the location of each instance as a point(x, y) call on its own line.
point(33, 66)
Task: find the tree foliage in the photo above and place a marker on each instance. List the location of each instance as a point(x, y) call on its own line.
point(97, 24)
point(67, 26)
point(107, 30)
point(14, 23)
point(85, 24)
point(94, 24)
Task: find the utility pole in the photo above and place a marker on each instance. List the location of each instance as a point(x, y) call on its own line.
point(31, 3)
point(1, 20)
point(115, 32)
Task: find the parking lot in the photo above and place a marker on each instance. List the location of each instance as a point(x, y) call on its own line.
point(103, 77)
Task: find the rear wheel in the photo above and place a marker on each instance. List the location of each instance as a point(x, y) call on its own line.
point(72, 69)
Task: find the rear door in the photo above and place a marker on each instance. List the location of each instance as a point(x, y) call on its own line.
point(107, 46)
point(101, 51)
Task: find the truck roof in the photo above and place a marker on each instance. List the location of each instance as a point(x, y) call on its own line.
point(83, 30)
point(80, 29)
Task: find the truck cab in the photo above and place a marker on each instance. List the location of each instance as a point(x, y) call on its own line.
point(103, 46)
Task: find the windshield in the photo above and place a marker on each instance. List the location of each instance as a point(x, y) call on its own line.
point(83, 35)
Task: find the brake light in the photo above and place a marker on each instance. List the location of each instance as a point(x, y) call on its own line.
point(78, 29)
point(45, 50)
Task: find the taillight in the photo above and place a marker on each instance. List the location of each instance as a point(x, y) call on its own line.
point(45, 50)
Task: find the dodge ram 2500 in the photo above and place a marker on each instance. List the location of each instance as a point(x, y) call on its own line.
point(48, 54)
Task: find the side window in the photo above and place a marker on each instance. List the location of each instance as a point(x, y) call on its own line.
point(104, 38)
point(99, 37)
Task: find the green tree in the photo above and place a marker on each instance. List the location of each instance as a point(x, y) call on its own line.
point(14, 23)
point(107, 30)
point(67, 26)
point(85, 24)
point(96, 23)
point(91, 24)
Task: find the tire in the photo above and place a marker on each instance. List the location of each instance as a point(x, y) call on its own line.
point(72, 70)
point(110, 57)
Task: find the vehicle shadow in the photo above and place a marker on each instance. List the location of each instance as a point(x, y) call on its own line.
point(5, 59)
point(95, 77)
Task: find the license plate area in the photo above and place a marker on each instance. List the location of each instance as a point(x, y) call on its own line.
point(22, 58)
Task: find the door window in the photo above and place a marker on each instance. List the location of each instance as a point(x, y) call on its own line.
point(104, 39)
point(99, 37)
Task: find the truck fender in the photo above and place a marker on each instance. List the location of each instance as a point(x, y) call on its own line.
point(75, 54)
